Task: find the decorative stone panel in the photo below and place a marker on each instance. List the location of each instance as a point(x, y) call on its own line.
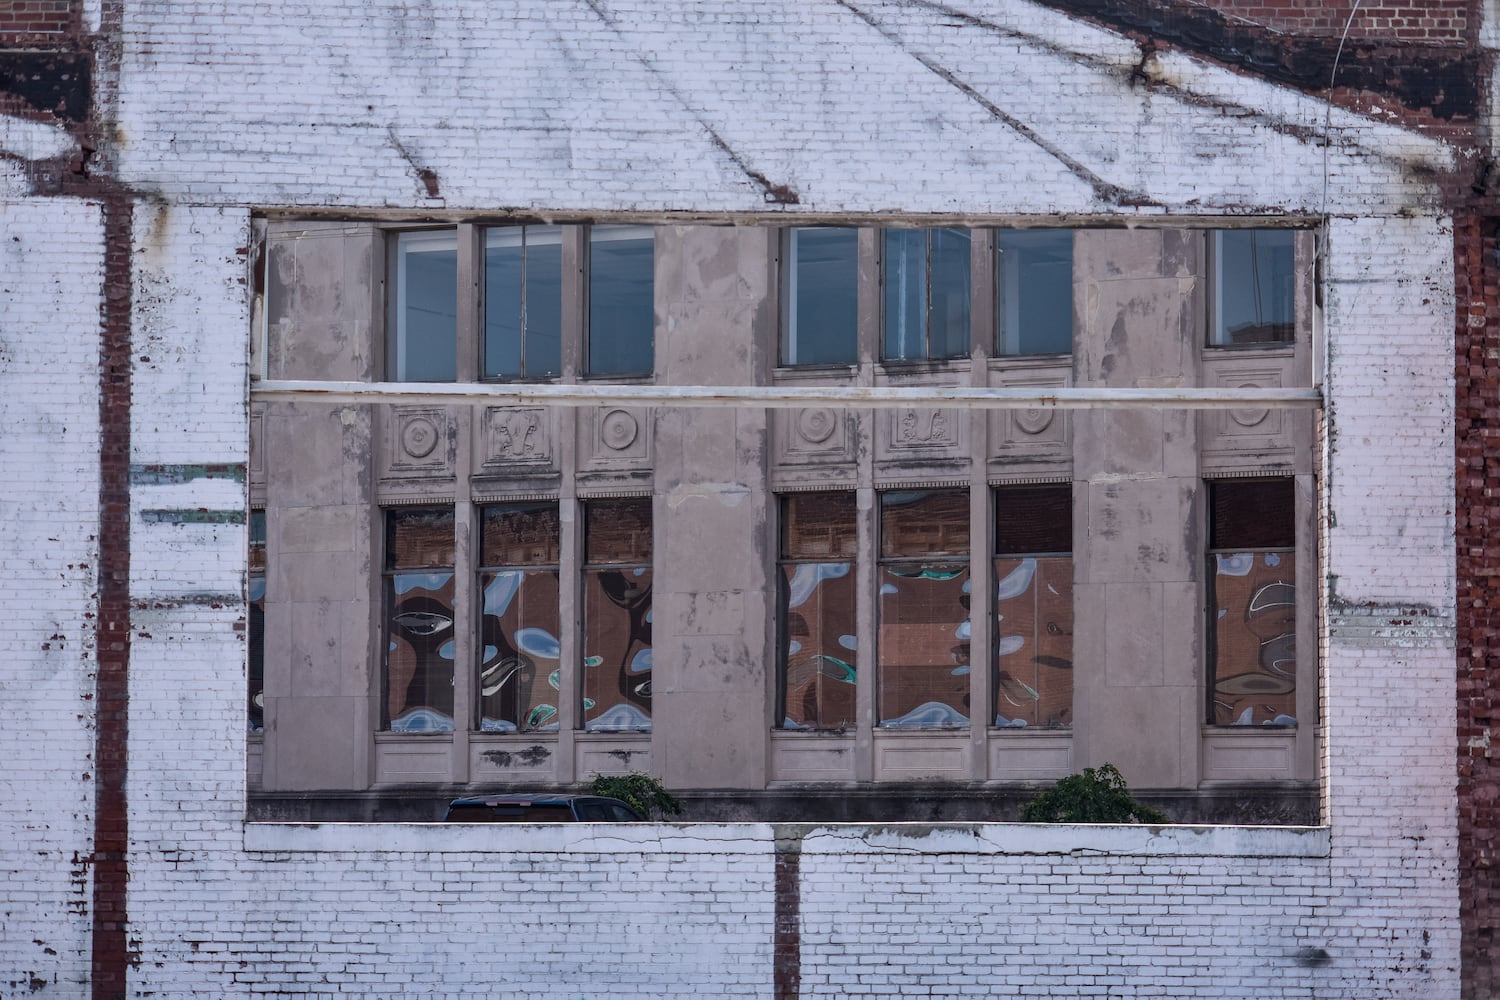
point(1035, 433)
point(917, 434)
point(516, 441)
point(815, 435)
point(418, 442)
point(614, 438)
point(1252, 435)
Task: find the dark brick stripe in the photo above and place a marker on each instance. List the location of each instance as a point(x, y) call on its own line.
point(787, 951)
point(1477, 441)
point(110, 958)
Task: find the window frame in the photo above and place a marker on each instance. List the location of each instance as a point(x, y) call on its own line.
point(1003, 321)
point(588, 297)
point(788, 334)
point(524, 329)
point(396, 296)
point(965, 340)
point(589, 565)
point(480, 570)
point(388, 606)
point(994, 612)
point(883, 563)
point(1212, 554)
point(1216, 285)
point(784, 503)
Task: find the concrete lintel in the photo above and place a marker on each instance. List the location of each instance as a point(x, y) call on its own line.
point(756, 838)
point(784, 397)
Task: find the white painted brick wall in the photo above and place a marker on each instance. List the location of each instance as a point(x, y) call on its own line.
point(50, 270)
point(233, 107)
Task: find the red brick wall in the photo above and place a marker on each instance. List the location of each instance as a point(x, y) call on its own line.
point(29, 22)
point(1477, 437)
point(1430, 20)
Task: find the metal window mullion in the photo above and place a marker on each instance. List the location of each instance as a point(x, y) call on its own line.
point(927, 293)
point(525, 262)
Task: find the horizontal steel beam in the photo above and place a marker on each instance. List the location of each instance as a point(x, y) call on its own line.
point(783, 396)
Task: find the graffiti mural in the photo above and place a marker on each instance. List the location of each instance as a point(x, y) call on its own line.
point(1254, 632)
point(418, 676)
point(922, 680)
point(1034, 642)
point(820, 648)
point(617, 615)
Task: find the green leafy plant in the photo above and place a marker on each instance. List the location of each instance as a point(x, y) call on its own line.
point(640, 791)
point(1098, 795)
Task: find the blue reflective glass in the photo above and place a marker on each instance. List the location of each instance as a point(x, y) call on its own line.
point(423, 342)
point(523, 302)
point(621, 300)
point(1254, 287)
point(823, 275)
point(1036, 291)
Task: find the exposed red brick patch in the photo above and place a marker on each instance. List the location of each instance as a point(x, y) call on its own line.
point(111, 871)
point(787, 947)
point(1477, 439)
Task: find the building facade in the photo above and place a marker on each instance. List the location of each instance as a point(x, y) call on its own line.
point(844, 412)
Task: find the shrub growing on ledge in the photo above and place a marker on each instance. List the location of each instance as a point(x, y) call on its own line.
point(641, 792)
point(1098, 795)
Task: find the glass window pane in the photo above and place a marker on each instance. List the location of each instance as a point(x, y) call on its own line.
point(419, 537)
point(905, 294)
point(504, 270)
point(1252, 513)
point(823, 274)
point(424, 328)
point(1254, 636)
point(819, 525)
point(818, 645)
point(1036, 291)
point(618, 531)
point(923, 666)
point(544, 302)
point(1033, 519)
point(1034, 642)
point(1254, 287)
point(621, 300)
point(520, 535)
point(921, 524)
point(419, 652)
point(519, 651)
point(617, 648)
point(948, 322)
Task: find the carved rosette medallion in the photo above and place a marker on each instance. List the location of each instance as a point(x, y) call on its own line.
point(618, 430)
point(1248, 418)
point(418, 436)
point(816, 425)
point(1033, 421)
point(614, 440)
